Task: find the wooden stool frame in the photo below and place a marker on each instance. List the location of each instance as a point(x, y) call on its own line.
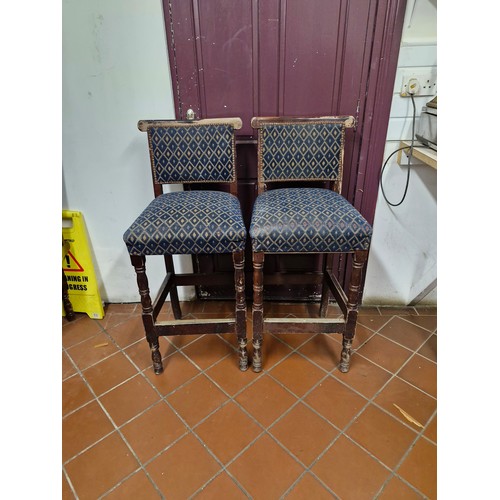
point(151, 309)
point(348, 303)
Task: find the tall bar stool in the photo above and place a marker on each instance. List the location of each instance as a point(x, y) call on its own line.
point(306, 220)
point(190, 222)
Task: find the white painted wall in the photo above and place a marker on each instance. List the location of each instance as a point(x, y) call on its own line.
point(403, 255)
point(115, 71)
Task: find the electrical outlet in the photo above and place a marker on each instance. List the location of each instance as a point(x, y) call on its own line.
point(419, 84)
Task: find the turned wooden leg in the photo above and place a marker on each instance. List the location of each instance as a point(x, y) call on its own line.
point(68, 308)
point(139, 263)
point(358, 263)
point(241, 308)
point(174, 296)
point(325, 292)
point(257, 310)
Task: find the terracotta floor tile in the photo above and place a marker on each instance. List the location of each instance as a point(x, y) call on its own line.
point(420, 468)
point(266, 400)
point(323, 351)
point(427, 322)
point(83, 328)
point(287, 310)
point(166, 314)
point(75, 393)
point(334, 311)
point(128, 332)
point(108, 373)
point(92, 350)
point(195, 307)
point(122, 308)
point(129, 399)
point(426, 310)
point(140, 354)
point(83, 428)
point(422, 373)
point(101, 467)
point(309, 488)
point(228, 431)
point(412, 401)
point(405, 333)
point(152, 431)
point(177, 370)
point(297, 374)
point(400, 490)
point(394, 310)
point(363, 376)
point(381, 435)
point(197, 399)
point(221, 308)
point(368, 311)
point(182, 469)
point(304, 433)
point(229, 377)
point(116, 318)
point(182, 464)
point(137, 486)
point(336, 402)
point(431, 431)
point(67, 367)
point(220, 488)
point(181, 341)
point(295, 340)
point(349, 471)
point(281, 470)
point(385, 353)
point(66, 493)
point(362, 335)
point(273, 351)
point(207, 351)
point(372, 321)
point(429, 349)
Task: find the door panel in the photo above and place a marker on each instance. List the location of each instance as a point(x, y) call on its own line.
point(289, 57)
point(310, 58)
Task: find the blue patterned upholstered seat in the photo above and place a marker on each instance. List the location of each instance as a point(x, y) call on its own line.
point(188, 222)
point(307, 220)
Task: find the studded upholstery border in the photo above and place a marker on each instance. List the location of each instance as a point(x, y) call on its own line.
point(301, 151)
point(307, 220)
point(188, 222)
point(192, 153)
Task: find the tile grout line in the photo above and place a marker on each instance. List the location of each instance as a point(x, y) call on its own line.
point(70, 483)
point(342, 432)
point(232, 398)
point(300, 399)
point(190, 429)
point(117, 429)
point(403, 458)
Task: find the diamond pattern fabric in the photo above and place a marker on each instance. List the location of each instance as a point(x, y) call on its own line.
point(307, 220)
point(188, 222)
point(305, 151)
point(192, 153)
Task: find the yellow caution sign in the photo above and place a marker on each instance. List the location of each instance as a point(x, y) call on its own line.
point(77, 266)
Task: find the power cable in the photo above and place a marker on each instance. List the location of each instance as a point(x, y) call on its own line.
point(408, 164)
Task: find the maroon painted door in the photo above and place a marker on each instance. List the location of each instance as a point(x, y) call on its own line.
point(289, 58)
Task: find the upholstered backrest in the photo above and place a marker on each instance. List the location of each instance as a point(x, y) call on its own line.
point(184, 152)
point(293, 149)
point(301, 151)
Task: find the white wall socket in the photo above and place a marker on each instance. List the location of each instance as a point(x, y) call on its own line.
point(427, 84)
